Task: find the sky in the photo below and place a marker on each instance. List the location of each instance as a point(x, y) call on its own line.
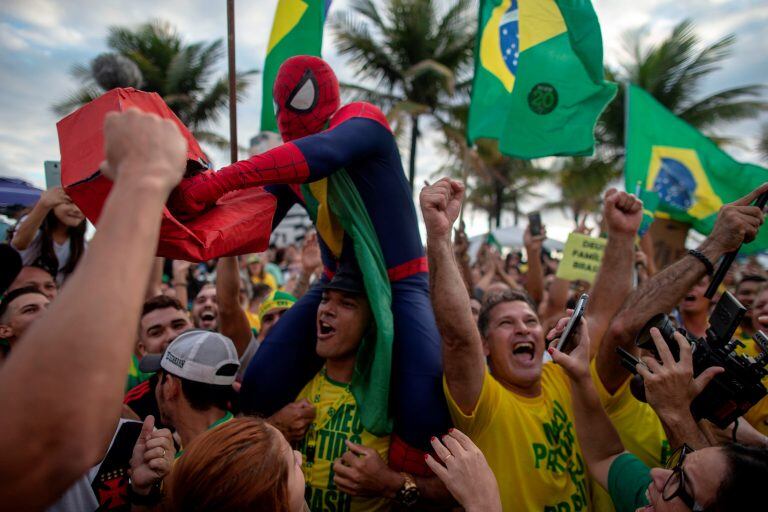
point(40, 41)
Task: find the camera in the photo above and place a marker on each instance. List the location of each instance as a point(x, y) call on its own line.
point(731, 393)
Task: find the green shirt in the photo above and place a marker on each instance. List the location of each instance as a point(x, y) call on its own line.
point(628, 479)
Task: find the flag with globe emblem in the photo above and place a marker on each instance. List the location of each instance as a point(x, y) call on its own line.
point(539, 83)
point(297, 30)
point(680, 173)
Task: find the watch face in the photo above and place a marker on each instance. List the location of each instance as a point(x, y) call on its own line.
point(410, 496)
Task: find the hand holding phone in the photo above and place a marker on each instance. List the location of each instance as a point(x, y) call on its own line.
point(566, 341)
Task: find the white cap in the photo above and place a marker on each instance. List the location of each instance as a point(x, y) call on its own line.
point(197, 355)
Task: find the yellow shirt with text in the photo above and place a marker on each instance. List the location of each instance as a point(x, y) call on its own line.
point(530, 443)
point(337, 419)
point(757, 416)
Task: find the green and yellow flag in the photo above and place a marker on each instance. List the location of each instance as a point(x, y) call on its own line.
point(297, 30)
point(539, 83)
point(689, 174)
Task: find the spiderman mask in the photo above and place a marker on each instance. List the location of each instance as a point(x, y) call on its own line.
point(306, 95)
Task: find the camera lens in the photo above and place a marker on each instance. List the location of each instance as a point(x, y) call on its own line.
point(663, 324)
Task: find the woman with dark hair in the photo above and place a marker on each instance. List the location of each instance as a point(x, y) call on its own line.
point(52, 235)
point(243, 465)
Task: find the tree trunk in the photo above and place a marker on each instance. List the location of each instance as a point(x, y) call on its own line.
point(515, 207)
point(412, 156)
point(499, 202)
point(668, 241)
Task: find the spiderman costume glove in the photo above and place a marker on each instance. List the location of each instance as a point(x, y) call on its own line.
point(195, 195)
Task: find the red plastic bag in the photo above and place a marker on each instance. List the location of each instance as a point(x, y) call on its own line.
point(240, 223)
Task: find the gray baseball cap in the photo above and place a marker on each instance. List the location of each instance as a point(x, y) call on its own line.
point(197, 355)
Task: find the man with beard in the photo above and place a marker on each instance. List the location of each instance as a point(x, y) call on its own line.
point(205, 308)
point(162, 320)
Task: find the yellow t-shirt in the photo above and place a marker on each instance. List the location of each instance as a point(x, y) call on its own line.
point(530, 443)
point(268, 280)
point(337, 419)
point(253, 320)
point(757, 416)
point(639, 428)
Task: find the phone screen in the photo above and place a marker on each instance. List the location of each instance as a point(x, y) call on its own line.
point(566, 339)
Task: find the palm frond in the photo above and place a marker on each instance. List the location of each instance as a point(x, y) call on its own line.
point(77, 100)
point(762, 144)
point(725, 106)
point(432, 67)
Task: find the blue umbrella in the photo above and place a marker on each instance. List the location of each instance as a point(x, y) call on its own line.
point(16, 192)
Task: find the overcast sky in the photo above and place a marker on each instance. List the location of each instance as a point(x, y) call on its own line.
point(40, 40)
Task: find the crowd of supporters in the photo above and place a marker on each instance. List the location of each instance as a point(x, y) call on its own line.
point(120, 372)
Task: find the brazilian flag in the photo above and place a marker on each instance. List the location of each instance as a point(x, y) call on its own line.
point(688, 174)
point(539, 84)
point(296, 30)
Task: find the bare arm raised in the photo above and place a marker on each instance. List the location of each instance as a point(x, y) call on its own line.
point(61, 389)
point(463, 360)
point(234, 321)
point(623, 213)
point(736, 223)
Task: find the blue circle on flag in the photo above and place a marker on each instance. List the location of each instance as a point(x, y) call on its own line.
point(509, 37)
point(675, 184)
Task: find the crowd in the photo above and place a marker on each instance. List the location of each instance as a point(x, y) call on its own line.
point(122, 374)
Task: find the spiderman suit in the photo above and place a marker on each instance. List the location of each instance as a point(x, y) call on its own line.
point(359, 140)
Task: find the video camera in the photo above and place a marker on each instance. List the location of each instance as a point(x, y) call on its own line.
point(731, 393)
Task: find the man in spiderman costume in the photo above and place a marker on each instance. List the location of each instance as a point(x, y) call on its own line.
point(321, 139)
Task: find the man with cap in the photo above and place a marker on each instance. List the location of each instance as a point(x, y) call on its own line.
point(343, 463)
point(270, 311)
point(195, 375)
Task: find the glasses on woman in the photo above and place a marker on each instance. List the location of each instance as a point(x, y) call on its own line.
point(674, 487)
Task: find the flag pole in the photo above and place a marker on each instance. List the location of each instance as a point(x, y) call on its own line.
point(464, 176)
point(232, 81)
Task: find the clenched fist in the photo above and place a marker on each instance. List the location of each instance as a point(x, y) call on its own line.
point(143, 148)
point(622, 212)
point(440, 205)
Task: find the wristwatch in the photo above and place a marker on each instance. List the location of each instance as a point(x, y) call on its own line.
point(408, 494)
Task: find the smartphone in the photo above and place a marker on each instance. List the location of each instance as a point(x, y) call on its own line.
point(52, 174)
point(565, 344)
point(534, 223)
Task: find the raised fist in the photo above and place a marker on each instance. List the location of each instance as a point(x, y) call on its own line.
point(143, 147)
point(440, 205)
point(622, 212)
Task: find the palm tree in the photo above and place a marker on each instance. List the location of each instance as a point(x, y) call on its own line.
point(581, 182)
point(673, 71)
point(497, 182)
point(154, 57)
point(762, 144)
point(412, 50)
